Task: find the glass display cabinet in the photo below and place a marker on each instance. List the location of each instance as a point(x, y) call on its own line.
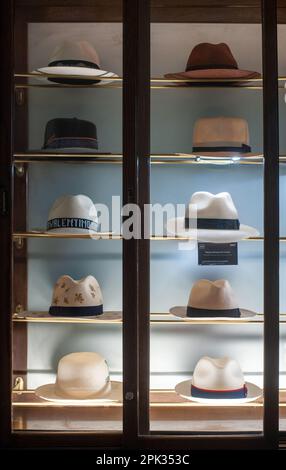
point(139, 224)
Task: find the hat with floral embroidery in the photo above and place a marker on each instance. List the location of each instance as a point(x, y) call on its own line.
point(73, 298)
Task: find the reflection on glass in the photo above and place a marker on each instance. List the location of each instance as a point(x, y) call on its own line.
point(67, 266)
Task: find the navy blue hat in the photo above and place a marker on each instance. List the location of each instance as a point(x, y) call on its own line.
point(70, 133)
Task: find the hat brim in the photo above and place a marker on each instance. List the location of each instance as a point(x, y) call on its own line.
point(110, 316)
point(176, 227)
point(105, 316)
point(181, 312)
point(184, 390)
point(215, 74)
point(76, 73)
point(225, 155)
point(48, 392)
point(74, 231)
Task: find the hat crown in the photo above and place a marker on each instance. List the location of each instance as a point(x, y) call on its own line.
point(207, 55)
point(205, 205)
point(84, 292)
point(220, 374)
point(75, 50)
point(82, 375)
point(74, 133)
point(220, 131)
point(73, 207)
point(70, 127)
point(212, 295)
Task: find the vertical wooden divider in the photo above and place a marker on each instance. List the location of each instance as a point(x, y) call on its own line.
point(136, 152)
point(271, 222)
point(20, 183)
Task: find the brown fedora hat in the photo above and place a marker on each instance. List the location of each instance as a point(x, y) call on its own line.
point(214, 61)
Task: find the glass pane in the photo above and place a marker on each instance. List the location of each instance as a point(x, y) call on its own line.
point(206, 366)
point(67, 363)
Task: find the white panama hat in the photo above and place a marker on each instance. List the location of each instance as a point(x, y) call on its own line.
point(211, 218)
point(79, 298)
point(218, 381)
point(73, 214)
point(82, 377)
point(76, 59)
point(214, 300)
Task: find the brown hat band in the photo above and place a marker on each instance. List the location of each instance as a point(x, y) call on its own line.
point(212, 66)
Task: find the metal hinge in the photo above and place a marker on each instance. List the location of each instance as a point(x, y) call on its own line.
point(18, 384)
point(19, 309)
point(20, 96)
point(19, 243)
point(19, 169)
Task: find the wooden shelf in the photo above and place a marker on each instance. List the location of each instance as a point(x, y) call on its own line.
point(155, 319)
point(53, 235)
point(158, 398)
point(155, 159)
point(168, 411)
point(116, 158)
point(44, 157)
point(18, 236)
point(44, 317)
point(155, 82)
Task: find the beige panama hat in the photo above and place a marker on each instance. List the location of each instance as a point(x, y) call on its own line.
point(221, 137)
point(76, 62)
point(214, 300)
point(81, 377)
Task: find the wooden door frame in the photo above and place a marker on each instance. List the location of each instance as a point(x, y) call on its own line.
point(136, 257)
